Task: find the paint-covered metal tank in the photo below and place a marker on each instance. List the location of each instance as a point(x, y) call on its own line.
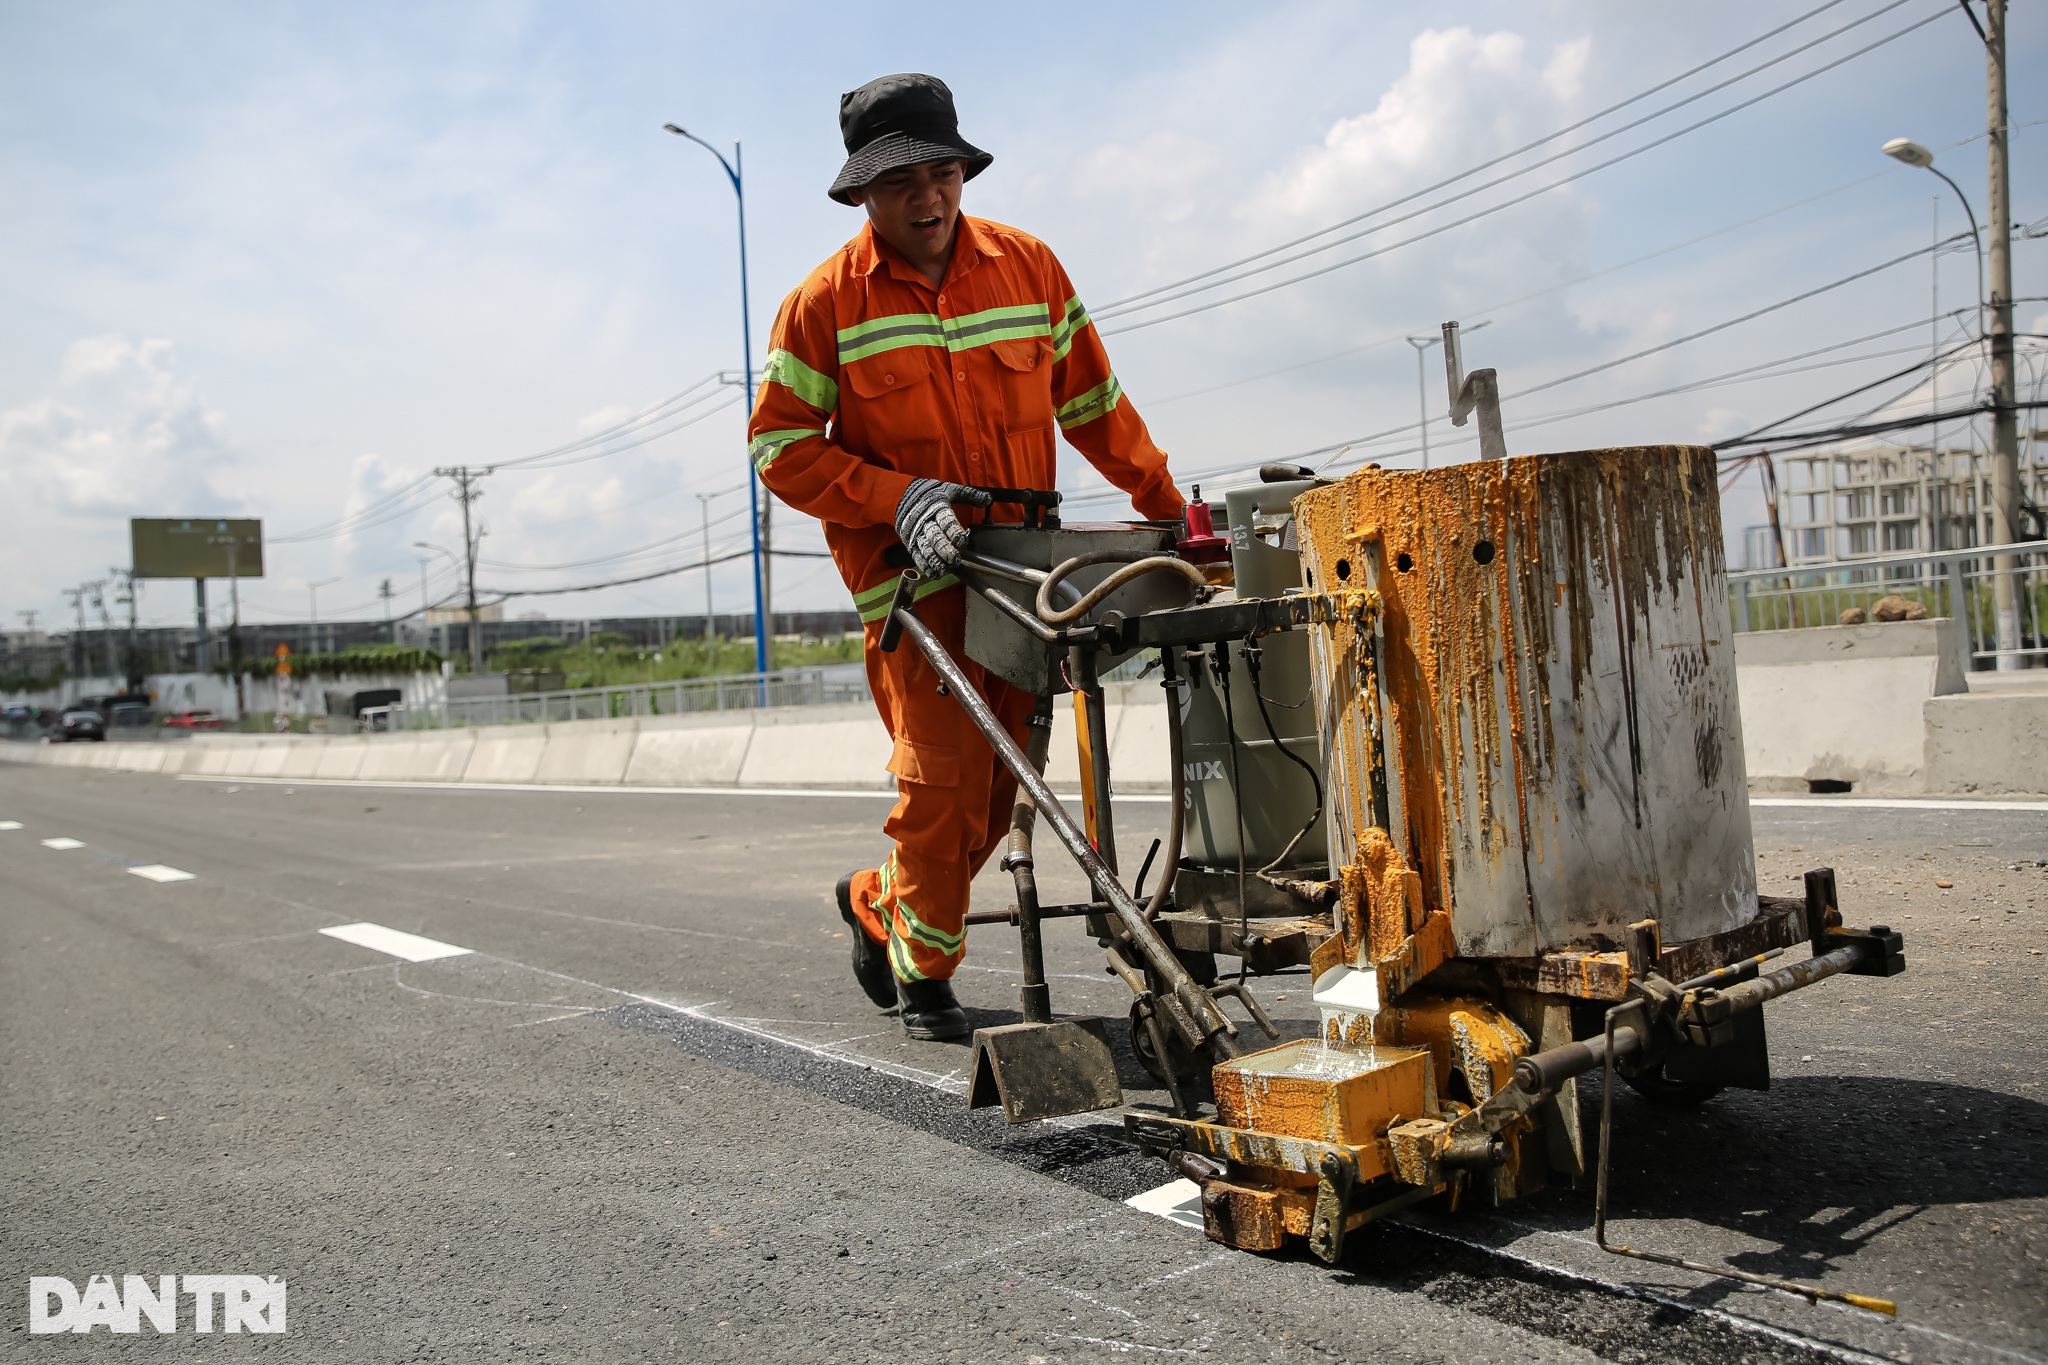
point(1544, 721)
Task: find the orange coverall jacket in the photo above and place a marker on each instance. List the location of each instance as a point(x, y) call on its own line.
point(876, 377)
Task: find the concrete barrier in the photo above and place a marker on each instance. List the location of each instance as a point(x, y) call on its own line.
point(1988, 742)
point(1843, 703)
point(389, 758)
point(817, 746)
point(588, 751)
point(341, 756)
point(1882, 707)
point(441, 755)
point(689, 751)
point(506, 753)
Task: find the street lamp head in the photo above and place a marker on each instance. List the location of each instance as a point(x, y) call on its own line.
point(1906, 150)
point(671, 128)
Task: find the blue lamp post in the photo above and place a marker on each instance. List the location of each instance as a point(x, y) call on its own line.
point(733, 172)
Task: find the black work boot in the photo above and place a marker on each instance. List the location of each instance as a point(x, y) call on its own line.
point(870, 959)
point(930, 1011)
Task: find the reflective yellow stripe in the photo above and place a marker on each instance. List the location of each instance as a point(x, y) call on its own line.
point(949, 944)
point(1099, 400)
point(1070, 326)
point(800, 379)
point(765, 447)
point(873, 604)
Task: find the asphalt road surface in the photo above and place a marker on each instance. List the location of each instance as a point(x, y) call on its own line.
point(647, 1115)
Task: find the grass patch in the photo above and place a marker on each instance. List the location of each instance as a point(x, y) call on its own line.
point(613, 660)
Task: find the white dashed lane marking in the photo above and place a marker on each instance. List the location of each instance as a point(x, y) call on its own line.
point(411, 947)
point(157, 872)
point(62, 844)
point(10, 824)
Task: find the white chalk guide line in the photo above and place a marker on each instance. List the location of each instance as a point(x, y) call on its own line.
point(63, 845)
point(157, 872)
point(396, 942)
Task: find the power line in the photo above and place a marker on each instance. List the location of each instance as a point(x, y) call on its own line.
point(1117, 305)
point(693, 533)
point(1770, 369)
point(1750, 316)
point(1519, 199)
point(728, 557)
point(598, 437)
point(1496, 308)
point(1801, 439)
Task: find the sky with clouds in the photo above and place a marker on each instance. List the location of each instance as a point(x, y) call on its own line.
point(283, 261)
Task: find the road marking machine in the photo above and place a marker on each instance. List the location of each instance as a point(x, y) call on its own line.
point(1464, 744)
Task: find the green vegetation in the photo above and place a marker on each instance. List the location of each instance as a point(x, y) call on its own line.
point(355, 662)
point(1772, 608)
point(611, 660)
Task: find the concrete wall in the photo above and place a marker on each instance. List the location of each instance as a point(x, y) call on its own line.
point(1843, 703)
point(800, 746)
point(1988, 742)
point(1879, 706)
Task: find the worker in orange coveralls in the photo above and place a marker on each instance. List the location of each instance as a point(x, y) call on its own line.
point(928, 358)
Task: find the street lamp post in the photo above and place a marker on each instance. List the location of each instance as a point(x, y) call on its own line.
point(424, 545)
point(313, 606)
point(757, 509)
point(1422, 345)
point(710, 619)
point(1994, 326)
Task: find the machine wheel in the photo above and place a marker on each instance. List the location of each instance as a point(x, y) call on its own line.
point(1659, 1089)
point(1187, 1065)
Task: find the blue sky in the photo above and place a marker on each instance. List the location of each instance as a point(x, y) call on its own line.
point(282, 260)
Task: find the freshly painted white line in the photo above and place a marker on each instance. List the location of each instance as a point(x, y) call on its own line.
point(618, 789)
point(411, 947)
point(1899, 803)
point(10, 824)
point(61, 844)
point(157, 872)
point(1177, 1201)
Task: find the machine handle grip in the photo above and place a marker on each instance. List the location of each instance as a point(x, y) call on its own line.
point(899, 602)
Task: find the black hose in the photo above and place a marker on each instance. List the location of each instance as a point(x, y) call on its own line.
point(1252, 656)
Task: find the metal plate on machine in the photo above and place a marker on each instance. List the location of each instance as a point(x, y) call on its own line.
point(1000, 644)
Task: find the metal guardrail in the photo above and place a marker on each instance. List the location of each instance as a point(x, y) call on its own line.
point(1969, 586)
point(734, 692)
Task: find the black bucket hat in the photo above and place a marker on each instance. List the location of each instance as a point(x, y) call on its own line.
point(898, 121)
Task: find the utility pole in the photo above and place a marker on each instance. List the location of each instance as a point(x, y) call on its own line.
point(1422, 345)
point(467, 492)
point(2005, 437)
point(99, 602)
point(710, 620)
point(124, 582)
point(235, 628)
point(384, 591)
point(77, 596)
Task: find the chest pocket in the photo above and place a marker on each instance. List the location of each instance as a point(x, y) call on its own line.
point(1025, 371)
point(898, 408)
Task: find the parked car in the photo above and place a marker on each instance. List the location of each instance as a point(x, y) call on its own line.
point(129, 715)
point(77, 725)
point(197, 719)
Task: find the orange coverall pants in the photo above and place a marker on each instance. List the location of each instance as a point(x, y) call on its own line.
point(953, 796)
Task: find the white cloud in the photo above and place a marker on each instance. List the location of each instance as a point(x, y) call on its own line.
point(122, 435)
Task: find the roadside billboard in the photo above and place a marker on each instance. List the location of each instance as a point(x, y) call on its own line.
point(196, 547)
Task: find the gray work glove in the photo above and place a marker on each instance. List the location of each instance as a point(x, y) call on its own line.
point(930, 531)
